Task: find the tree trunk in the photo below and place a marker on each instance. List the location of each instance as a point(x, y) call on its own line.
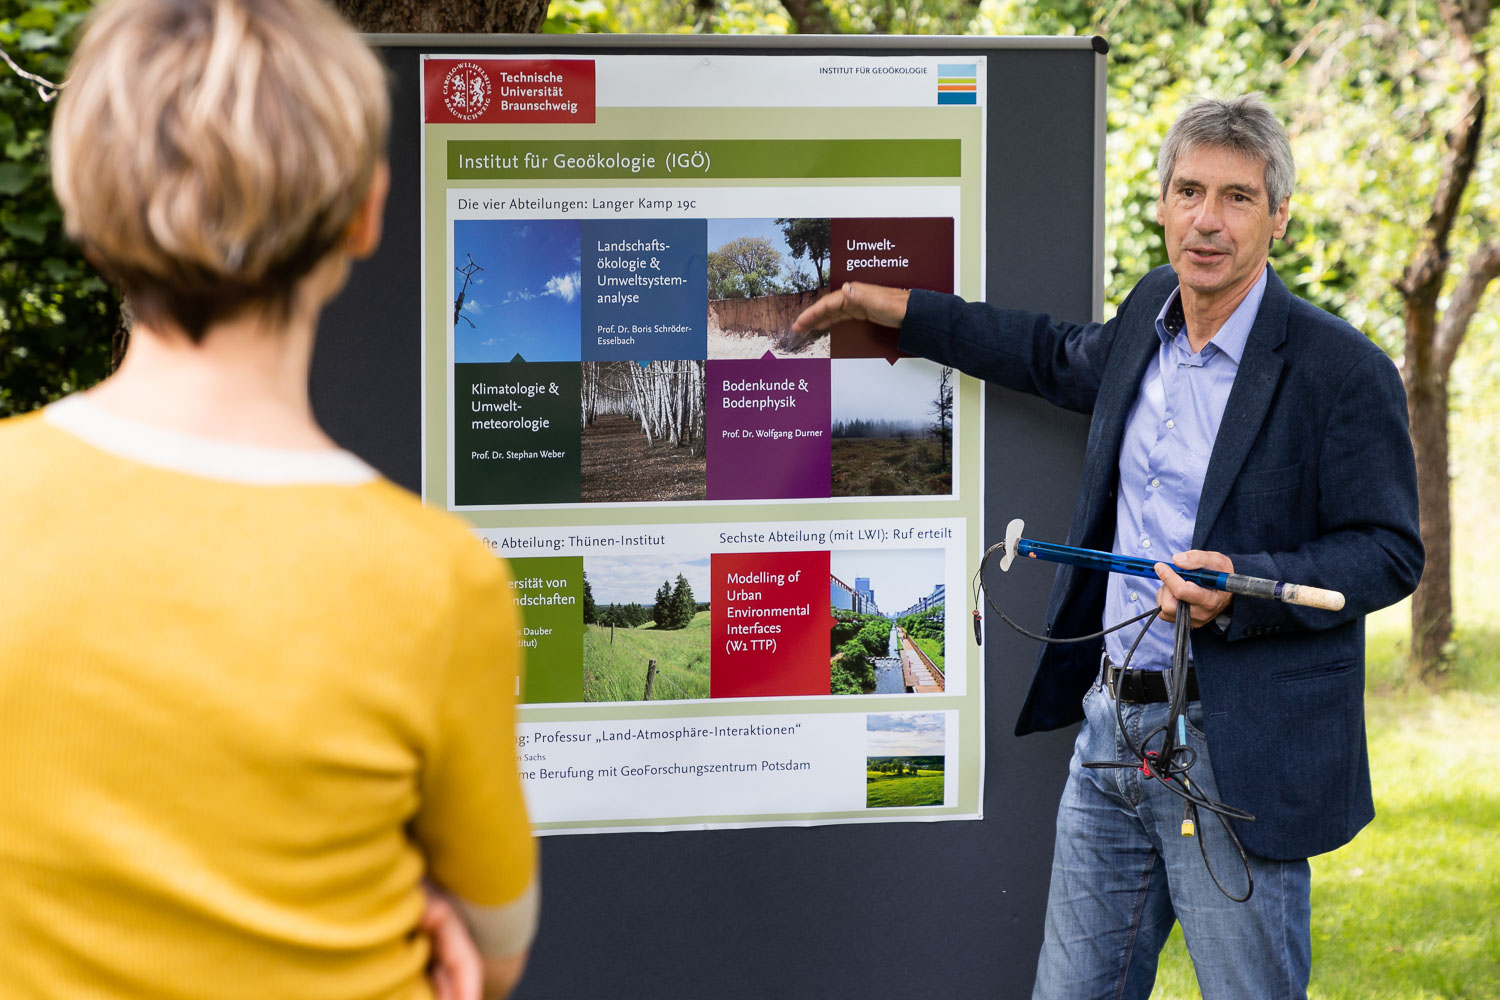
point(1432, 344)
point(590, 375)
point(1432, 604)
point(642, 401)
point(445, 16)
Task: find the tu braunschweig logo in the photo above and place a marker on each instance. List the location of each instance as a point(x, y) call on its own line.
point(466, 91)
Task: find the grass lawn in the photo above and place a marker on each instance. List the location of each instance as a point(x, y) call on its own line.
point(933, 648)
point(1411, 909)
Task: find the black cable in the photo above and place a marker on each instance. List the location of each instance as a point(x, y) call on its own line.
point(1174, 760)
point(979, 587)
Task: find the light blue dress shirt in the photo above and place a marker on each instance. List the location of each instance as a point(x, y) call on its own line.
point(1169, 435)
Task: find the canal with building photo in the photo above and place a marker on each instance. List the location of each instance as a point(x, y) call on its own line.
point(889, 678)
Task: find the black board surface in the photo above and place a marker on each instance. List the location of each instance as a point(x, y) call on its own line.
point(901, 910)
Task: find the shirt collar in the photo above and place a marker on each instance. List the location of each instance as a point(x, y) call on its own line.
point(1232, 335)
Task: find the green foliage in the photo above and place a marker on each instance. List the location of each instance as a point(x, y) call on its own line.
point(661, 611)
point(630, 615)
point(856, 640)
point(875, 636)
point(744, 268)
point(57, 316)
point(683, 605)
point(846, 625)
point(1367, 91)
point(851, 671)
point(570, 17)
point(590, 609)
point(927, 632)
point(810, 240)
point(924, 625)
point(674, 607)
point(905, 765)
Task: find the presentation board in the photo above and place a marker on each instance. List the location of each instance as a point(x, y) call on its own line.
point(733, 541)
point(577, 336)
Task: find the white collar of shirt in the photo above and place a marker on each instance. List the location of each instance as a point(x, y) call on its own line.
point(1234, 333)
point(205, 457)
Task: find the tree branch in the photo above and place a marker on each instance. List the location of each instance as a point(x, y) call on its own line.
point(1465, 17)
point(811, 17)
point(1423, 278)
point(1483, 268)
point(45, 88)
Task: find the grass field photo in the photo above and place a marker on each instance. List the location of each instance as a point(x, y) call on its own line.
point(905, 763)
point(616, 670)
point(636, 615)
point(916, 783)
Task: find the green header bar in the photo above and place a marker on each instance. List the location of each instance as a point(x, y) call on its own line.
point(478, 159)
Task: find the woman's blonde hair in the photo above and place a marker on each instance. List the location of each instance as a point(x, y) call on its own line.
point(209, 153)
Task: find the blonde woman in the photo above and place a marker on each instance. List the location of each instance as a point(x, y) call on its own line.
point(251, 694)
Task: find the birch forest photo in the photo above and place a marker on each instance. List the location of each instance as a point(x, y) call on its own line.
point(642, 431)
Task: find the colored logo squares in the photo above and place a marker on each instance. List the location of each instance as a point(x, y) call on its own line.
point(958, 83)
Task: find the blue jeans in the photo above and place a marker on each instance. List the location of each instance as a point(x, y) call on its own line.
point(1122, 874)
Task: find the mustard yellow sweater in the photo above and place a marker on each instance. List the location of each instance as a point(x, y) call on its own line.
point(248, 699)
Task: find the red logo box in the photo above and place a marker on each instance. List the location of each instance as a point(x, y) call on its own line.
point(501, 91)
point(770, 624)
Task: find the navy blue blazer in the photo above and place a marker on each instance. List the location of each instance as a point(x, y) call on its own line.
point(1311, 480)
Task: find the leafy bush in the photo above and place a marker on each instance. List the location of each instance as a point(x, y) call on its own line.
point(57, 316)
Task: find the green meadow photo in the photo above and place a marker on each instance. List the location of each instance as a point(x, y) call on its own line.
point(646, 636)
point(906, 765)
point(903, 781)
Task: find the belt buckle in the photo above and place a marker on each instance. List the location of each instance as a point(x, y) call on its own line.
point(1114, 677)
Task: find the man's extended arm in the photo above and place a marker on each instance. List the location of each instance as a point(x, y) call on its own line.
point(1030, 352)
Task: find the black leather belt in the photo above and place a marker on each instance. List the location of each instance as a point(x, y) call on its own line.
point(1143, 686)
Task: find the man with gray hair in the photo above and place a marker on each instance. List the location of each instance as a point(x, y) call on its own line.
point(1237, 428)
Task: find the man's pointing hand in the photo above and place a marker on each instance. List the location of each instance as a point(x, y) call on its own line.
point(856, 300)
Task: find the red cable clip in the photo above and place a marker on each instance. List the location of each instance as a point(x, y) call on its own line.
point(1152, 756)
